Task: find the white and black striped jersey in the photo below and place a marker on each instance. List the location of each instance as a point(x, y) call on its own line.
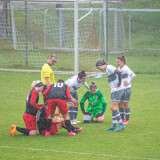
point(74, 83)
point(127, 75)
point(112, 78)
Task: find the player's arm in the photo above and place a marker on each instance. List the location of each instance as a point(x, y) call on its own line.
point(103, 100)
point(68, 93)
point(132, 76)
point(84, 98)
point(86, 85)
point(46, 92)
point(47, 80)
point(34, 96)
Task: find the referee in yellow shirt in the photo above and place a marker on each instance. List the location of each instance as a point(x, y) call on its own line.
point(47, 76)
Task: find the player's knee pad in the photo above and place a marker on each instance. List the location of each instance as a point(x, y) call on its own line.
point(87, 118)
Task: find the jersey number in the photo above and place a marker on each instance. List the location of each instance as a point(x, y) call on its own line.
point(58, 85)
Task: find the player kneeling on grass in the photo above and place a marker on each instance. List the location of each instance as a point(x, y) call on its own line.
point(57, 123)
point(56, 96)
point(96, 104)
point(32, 108)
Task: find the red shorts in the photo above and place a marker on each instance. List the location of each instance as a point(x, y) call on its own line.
point(53, 103)
point(30, 121)
point(52, 131)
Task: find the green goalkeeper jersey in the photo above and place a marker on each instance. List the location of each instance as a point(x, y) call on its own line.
point(95, 102)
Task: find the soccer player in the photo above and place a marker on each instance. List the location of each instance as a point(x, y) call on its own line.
point(127, 78)
point(74, 83)
point(117, 92)
point(96, 104)
point(30, 113)
point(57, 123)
point(56, 95)
point(47, 76)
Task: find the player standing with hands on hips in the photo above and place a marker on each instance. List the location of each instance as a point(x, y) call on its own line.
point(74, 83)
point(114, 80)
point(127, 78)
point(47, 76)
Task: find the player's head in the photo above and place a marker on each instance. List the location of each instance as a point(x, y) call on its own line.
point(52, 59)
point(61, 81)
point(82, 76)
point(93, 88)
point(121, 61)
point(38, 85)
point(101, 65)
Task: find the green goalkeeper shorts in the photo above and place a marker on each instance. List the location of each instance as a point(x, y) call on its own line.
point(94, 112)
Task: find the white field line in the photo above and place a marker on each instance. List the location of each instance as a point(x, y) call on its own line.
point(55, 72)
point(81, 153)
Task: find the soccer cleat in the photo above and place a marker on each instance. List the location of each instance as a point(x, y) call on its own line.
point(75, 120)
point(13, 130)
point(110, 128)
point(120, 127)
point(71, 133)
point(47, 134)
point(116, 129)
point(76, 126)
point(126, 122)
point(78, 130)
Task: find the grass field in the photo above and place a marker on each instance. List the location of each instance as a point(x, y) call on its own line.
point(140, 139)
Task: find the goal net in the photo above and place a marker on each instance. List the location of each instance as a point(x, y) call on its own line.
point(41, 28)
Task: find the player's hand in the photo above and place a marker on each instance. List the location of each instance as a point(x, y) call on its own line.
point(125, 83)
point(116, 86)
point(74, 102)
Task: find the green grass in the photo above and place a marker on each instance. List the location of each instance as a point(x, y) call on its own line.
point(140, 139)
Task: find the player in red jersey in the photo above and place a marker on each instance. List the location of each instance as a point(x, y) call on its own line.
point(56, 96)
point(30, 113)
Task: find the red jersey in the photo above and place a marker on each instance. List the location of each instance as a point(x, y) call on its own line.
point(32, 105)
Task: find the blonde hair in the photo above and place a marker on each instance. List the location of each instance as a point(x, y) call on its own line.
point(34, 83)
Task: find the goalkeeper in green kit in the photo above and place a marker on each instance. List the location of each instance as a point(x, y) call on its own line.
point(96, 105)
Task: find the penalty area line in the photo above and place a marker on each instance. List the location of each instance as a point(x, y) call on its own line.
point(81, 153)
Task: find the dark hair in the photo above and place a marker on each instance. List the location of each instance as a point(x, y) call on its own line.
point(61, 80)
point(101, 63)
point(81, 74)
point(93, 85)
point(122, 59)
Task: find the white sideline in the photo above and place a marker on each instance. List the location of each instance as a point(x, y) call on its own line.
point(82, 153)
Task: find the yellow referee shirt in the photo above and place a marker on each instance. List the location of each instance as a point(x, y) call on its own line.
point(47, 72)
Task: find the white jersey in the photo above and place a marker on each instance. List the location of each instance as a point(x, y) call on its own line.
point(112, 78)
point(127, 76)
point(74, 84)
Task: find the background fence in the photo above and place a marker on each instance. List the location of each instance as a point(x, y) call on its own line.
point(30, 32)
